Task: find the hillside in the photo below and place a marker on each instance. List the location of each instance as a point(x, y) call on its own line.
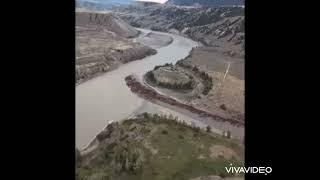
point(103, 42)
point(156, 147)
point(222, 28)
point(108, 21)
point(206, 3)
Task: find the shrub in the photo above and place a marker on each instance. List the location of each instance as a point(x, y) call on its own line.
point(144, 130)
point(128, 122)
point(150, 76)
point(208, 129)
point(196, 129)
point(146, 115)
point(128, 159)
point(106, 155)
point(163, 116)
point(156, 67)
point(223, 107)
point(228, 134)
point(111, 146)
point(181, 128)
point(156, 116)
point(133, 128)
point(195, 69)
point(124, 137)
point(164, 132)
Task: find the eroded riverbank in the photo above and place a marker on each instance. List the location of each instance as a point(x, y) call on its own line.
point(153, 96)
point(106, 98)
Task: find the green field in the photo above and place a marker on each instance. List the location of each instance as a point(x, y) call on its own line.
point(152, 147)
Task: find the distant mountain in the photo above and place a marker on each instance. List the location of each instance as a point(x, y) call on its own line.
point(206, 3)
point(101, 4)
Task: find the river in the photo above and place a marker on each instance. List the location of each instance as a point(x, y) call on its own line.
point(107, 98)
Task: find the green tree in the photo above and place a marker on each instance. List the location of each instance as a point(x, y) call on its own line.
point(146, 115)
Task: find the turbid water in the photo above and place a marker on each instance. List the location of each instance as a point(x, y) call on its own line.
point(107, 98)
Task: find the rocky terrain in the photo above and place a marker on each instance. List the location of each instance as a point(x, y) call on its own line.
point(106, 21)
point(103, 42)
point(157, 147)
point(206, 3)
point(219, 27)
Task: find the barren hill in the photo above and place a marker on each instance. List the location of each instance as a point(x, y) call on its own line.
point(107, 21)
point(205, 2)
point(103, 43)
point(222, 27)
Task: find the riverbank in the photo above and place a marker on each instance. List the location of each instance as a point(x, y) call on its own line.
point(220, 74)
point(153, 96)
point(155, 40)
point(106, 98)
point(99, 51)
point(219, 27)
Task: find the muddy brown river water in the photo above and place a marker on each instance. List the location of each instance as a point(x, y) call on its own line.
point(107, 98)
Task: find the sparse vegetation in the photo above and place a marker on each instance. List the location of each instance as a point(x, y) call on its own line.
point(223, 107)
point(206, 79)
point(172, 155)
point(124, 137)
point(150, 77)
point(128, 159)
point(145, 130)
point(104, 56)
point(164, 132)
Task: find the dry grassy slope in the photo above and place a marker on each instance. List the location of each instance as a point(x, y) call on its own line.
point(205, 2)
point(157, 147)
point(225, 92)
point(106, 20)
point(228, 91)
point(102, 44)
point(217, 27)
